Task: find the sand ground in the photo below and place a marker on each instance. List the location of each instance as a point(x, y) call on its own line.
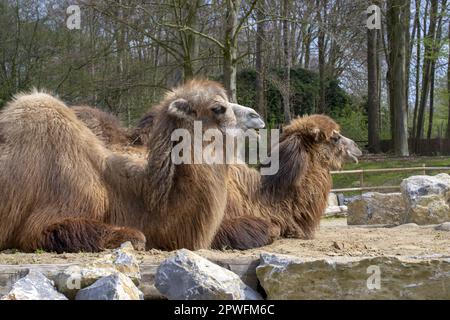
point(334, 238)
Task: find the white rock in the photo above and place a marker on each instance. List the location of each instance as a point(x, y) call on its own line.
point(75, 278)
point(332, 200)
point(384, 277)
point(377, 208)
point(78, 277)
point(443, 226)
point(187, 276)
point(34, 286)
point(427, 198)
point(114, 287)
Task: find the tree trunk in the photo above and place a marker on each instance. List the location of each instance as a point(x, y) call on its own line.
point(431, 114)
point(418, 45)
point(396, 17)
point(448, 84)
point(321, 47)
point(426, 72)
point(372, 91)
point(230, 49)
point(436, 49)
point(260, 103)
point(307, 41)
point(287, 64)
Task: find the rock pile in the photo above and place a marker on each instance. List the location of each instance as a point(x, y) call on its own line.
point(422, 200)
point(113, 277)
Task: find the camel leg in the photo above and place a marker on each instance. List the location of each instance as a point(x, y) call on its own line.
point(244, 233)
point(80, 234)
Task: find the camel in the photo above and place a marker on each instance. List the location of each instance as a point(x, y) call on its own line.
point(62, 190)
point(105, 125)
point(291, 202)
point(247, 118)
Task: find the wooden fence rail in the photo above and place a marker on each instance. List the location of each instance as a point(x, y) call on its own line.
point(361, 173)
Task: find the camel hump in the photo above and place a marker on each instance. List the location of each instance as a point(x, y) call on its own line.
point(40, 118)
point(36, 106)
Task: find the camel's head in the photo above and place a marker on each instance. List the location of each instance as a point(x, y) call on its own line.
point(201, 100)
point(247, 118)
point(322, 134)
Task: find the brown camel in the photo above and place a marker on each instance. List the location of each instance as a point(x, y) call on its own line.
point(62, 190)
point(104, 125)
point(291, 202)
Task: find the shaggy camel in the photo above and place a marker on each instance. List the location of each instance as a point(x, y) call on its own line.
point(108, 129)
point(62, 190)
point(291, 202)
point(105, 126)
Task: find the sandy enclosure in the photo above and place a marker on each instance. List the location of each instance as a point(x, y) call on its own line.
point(334, 238)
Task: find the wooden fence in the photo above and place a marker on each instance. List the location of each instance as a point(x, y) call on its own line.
point(361, 173)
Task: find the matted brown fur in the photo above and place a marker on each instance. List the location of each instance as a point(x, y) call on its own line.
point(293, 200)
point(62, 190)
point(104, 125)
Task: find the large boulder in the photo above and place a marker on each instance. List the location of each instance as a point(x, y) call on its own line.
point(385, 277)
point(427, 198)
point(332, 200)
point(34, 286)
point(377, 208)
point(113, 287)
point(78, 277)
point(187, 276)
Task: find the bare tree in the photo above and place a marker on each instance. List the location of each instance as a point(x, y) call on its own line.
point(260, 61)
point(321, 17)
point(448, 84)
point(287, 63)
point(427, 61)
point(372, 91)
point(396, 20)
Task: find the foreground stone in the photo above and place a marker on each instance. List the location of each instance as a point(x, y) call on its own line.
point(427, 198)
point(336, 211)
point(377, 208)
point(113, 287)
point(34, 286)
point(443, 226)
point(285, 277)
point(187, 276)
point(123, 260)
point(77, 277)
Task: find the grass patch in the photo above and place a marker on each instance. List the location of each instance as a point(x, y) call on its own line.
point(388, 178)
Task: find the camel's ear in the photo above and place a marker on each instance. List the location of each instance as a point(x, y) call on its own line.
point(293, 164)
point(181, 109)
point(314, 133)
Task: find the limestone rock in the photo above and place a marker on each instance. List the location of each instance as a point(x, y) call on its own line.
point(377, 208)
point(187, 276)
point(427, 198)
point(443, 226)
point(332, 200)
point(74, 278)
point(333, 211)
point(114, 287)
point(121, 260)
point(385, 277)
point(34, 286)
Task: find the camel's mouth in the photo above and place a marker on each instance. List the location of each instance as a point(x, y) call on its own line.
point(353, 158)
point(352, 150)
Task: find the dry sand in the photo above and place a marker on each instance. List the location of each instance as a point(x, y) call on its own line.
point(334, 238)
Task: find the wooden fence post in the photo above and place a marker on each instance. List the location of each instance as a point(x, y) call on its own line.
point(361, 180)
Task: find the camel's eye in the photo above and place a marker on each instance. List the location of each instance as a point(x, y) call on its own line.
point(220, 109)
point(336, 138)
point(254, 115)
